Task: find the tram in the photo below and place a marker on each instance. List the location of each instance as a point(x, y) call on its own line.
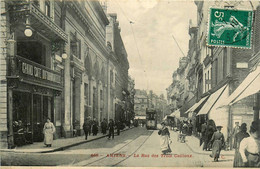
point(151, 119)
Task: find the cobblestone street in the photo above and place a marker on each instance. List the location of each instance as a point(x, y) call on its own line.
point(135, 147)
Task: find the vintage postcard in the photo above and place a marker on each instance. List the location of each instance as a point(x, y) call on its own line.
point(130, 83)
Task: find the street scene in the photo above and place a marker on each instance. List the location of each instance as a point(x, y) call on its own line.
point(136, 147)
point(130, 83)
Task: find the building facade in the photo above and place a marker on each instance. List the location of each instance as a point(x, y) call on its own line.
point(213, 74)
point(60, 59)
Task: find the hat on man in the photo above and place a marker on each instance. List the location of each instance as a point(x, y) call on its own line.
point(243, 127)
point(219, 127)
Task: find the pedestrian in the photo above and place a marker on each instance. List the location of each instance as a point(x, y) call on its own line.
point(190, 127)
point(235, 130)
point(165, 139)
point(238, 138)
point(94, 127)
point(86, 127)
point(111, 129)
point(118, 127)
point(250, 147)
point(48, 131)
point(217, 140)
point(211, 128)
point(90, 123)
point(104, 126)
point(203, 135)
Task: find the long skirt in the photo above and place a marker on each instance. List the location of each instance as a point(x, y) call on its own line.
point(253, 161)
point(165, 147)
point(238, 162)
point(48, 137)
point(216, 148)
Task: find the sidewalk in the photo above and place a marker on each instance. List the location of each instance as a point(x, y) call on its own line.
point(57, 145)
point(193, 143)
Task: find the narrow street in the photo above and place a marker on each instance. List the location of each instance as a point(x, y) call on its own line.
point(137, 147)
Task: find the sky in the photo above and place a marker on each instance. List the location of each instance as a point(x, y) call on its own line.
point(147, 27)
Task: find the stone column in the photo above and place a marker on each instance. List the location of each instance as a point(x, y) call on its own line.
point(82, 105)
point(67, 96)
point(108, 110)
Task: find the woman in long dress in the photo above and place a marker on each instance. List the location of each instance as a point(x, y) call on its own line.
point(48, 130)
point(165, 139)
point(218, 140)
point(211, 128)
point(250, 147)
point(238, 138)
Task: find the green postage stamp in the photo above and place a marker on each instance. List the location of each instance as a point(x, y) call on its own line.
point(230, 28)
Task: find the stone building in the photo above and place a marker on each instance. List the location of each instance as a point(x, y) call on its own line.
point(214, 73)
point(59, 59)
point(140, 104)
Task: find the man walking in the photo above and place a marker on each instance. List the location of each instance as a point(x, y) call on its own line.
point(104, 126)
point(111, 129)
point(235, 130)
point(86, 128)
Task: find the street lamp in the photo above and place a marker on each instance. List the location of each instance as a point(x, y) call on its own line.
point(28, 31)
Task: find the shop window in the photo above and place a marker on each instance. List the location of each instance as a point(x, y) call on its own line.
point(33, 51)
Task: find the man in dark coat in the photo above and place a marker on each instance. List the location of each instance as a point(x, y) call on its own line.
point(86, 128)
point(118, 127)
point(104, 126)
point(203, 135)
point(111, 129)
point(94, 127)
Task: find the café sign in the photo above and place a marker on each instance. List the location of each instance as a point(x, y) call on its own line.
point(40, 73)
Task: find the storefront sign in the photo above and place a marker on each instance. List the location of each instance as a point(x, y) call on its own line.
point(40, 73)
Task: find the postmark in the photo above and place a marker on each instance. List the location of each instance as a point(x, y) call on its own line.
point(230, 28)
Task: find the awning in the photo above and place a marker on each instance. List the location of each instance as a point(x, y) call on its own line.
point(165, 118)
point(211, 101)
point(248, 87)
point(176, 113)
point(196, 105)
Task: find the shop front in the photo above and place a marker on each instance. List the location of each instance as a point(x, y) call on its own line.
point(31, 100)
point(34, 84)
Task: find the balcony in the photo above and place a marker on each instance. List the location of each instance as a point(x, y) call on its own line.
point(33, 73)
point(38, 20)
point(77, 63)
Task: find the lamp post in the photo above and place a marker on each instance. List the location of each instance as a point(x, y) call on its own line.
point(28, 31)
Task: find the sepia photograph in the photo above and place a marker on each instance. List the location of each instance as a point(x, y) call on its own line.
point(130, 83)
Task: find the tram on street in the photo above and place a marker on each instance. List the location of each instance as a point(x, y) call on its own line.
point(151, 119)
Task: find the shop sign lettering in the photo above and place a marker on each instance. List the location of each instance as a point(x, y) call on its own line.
point(39, 73)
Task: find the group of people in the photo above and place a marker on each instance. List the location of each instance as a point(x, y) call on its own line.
point(246, 145)
point(92, 125)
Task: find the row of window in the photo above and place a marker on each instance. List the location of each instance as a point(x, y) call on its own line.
point(87, 96)
point(218, 70)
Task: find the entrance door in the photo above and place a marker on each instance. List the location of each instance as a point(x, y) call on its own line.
point(22, 118)
point(37, 118)
point(42, 109)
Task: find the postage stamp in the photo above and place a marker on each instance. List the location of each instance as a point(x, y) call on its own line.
point(230, 28)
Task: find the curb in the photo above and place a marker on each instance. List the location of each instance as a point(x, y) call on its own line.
point(64, 147)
